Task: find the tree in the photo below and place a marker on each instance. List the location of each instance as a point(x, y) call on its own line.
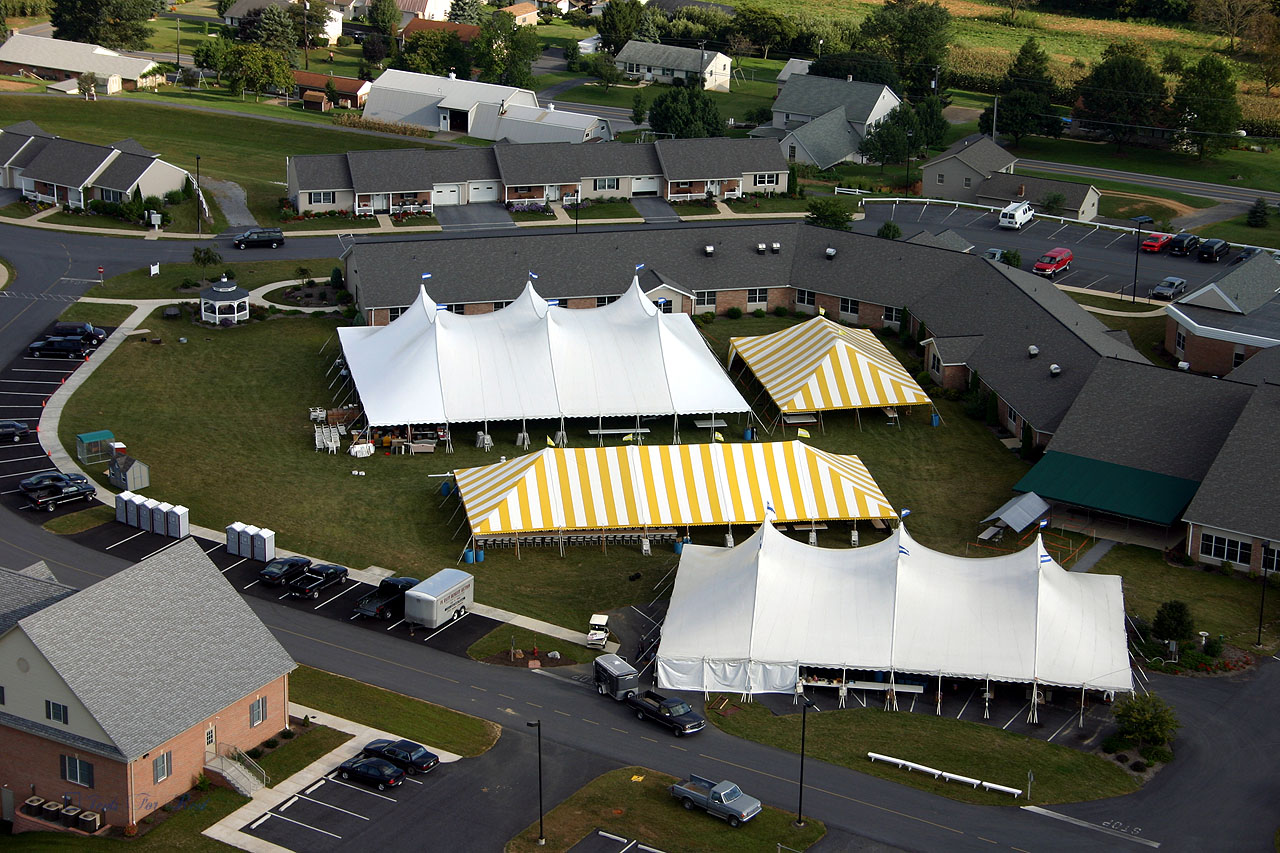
point(1269, 66)
point(1029, 70)
point(205, 257)
point(1018, 6)
point(764, 27)
point(214, 55)
point(618, 24)
point(914, 34)
point(638, 108)
point(222, 6)
point(466, 11)
point(1011, 258)
point(1123, 94)
point(434, 52)
point(1206, 106)
point(867, 67)
point(893, 140)
point(650, 27)
point(258, 69)
point(87, 85)
point(115, 24)
point(505, 53)
point(889, 231)
point(374, 48)
point(1146, 719)
point(1258, 216)
point(309, 22)
point(828, 213)
point(385, 15)
point(738, 45)
point(685, 112)
point(331, 92)
point(931, 123)
point(1230, 18)
point(602, 67)
point(272, 28)
point(1053, 203)
point(1173, 621)
point(1017, 114)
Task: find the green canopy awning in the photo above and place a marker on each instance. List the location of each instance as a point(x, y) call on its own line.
point(1116, 489)
point(99, 435)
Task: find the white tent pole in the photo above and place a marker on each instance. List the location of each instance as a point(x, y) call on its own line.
point(986, 700)
point(675, 429)
point(939, 711)
point(1081, 725)
point(517, 544)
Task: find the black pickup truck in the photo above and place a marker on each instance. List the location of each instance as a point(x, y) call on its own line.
point(674, 713)
point(387, 600)
point(46, 491)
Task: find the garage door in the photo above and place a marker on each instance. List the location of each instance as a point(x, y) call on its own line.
point(483, 191)
point(645, 186)
point(445, 194)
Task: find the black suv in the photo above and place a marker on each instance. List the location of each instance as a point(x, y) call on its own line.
point(309, 583)
point(1213, 250)
point(283, 569)
point(1183, 244)
point(58, 348)
point(90, 334)
point(272, 237)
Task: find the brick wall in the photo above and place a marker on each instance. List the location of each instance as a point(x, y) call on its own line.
point(1205, 355)
point(379, 316)
point(870, 315)
point(29, 765)
point(955, 376)
point(478, 308)
point(533, 192)
point(588, 302)
point(830, 304)
point(1255, 551)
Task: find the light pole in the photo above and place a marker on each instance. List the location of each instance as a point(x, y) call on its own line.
point(820, 43)
point(537, 724)
point(1137, 251)
point(306, 35)
point(804, 718)
point(199, 224)
point(910, 139)
point(1262, 606)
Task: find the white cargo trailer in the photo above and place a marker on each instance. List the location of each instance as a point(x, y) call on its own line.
point(444, 596)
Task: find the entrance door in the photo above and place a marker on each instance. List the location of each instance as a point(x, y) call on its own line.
point(381, 203)
point(211, 740)
point(713, 187)
point(6, 804)
point(458, 121)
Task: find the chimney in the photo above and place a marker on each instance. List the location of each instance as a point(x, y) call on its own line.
point(551, 108)
point(709, 249)
point(848, 78)
point(453, 76)
point(1033, 351)
point(1055, 371)
point(1022, 190)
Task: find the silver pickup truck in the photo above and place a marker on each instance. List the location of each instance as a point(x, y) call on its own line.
point(724, 800)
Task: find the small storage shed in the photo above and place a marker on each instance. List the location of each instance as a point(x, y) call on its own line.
point(316, 101)
point(125, 472)
point(95, 447)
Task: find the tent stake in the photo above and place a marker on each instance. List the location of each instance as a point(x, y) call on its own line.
point(1081, 725)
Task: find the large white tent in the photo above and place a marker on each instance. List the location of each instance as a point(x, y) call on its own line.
point(534, 360)
point(746, 619)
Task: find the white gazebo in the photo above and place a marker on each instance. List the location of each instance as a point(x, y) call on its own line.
point(224, 300)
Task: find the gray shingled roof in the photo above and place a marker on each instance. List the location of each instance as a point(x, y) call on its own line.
point(27, 128)
point(31, 151)
point(564, 162)
point(1252, 284)
point(66, 162)
point(1239, 492)
point(1007, 188)
point(401, 169)
point(17, 135)
point(828, 139)
point(806, 94)
point(133, 146)
point(717, 157)
point(667, 56)
point(1137, 415)
point(957, 350)
point(322, 171)
point(23, 593)
point(1263, 366)
point(979, 153)
point(123, 172)
point(194, 648)
point(945, 239)
point(39, 569)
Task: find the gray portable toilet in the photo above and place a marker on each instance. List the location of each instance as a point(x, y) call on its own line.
point(122, 511)
point(133, 510)
point(264, 545)
point(246, 540)
point(233, 538)
point(160, 518)
point(147, 513)
point(178, 524)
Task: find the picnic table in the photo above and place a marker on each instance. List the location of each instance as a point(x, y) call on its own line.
point(638, 432)
point(709, 423)
point(799, 418)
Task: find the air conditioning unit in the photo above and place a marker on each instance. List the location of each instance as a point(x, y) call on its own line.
point(1055, 370)
point(89, 822)
point(1184, 365)
point(70, 815)
point(760, 248)
point(709, 249)
point(831, 253)
point(776, 248)
point(32, 806)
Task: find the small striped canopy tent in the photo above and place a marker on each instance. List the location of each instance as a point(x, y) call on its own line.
point(820, 365)
point(596, 488)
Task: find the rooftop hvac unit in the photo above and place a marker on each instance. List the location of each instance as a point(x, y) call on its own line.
point(831, 252)
point(776, 248)
point(89, 822)
point(1033, 351)
point(1055, 370)
point(709, 249)
point(760, 248)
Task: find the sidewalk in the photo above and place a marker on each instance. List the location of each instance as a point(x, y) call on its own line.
point(1156, 312)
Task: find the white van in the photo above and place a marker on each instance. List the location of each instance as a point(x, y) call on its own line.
point(1016, 215)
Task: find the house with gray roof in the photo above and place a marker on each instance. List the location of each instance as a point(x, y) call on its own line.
point(666, 63)
point(822, 120)
point(62, 171)
point(1217, 327)
point(19, 143)
point(1075, 200)
point(957, 172)
point(117, 696)
point(61, 60)
point(945, 239)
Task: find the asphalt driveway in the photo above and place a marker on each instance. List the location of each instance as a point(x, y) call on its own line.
point(655, 209)
point(473, 217)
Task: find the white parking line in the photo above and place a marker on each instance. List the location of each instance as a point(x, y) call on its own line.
point(288, 594)
point(447, 627)
point(338, 781)
point(23, 407)
point(40, 370)
point(413, 780)
point(1032, 224)
point(25, 393)
point(397, 623)
point(233, 565)
point(344, 592)
point(255, 582)
point(214, 548)
point(260, 821)
point(1055, 233)
point(157, 551)
point(975, 219)
point(1067, 276)
point(31, 381)
point(27, 473)
point(25, 458)
point(1061, 727)
point(966, 703)
point(1118, 238)
point(1095, 281)
point(299, 823)
point(332, 806)
point(1015, 716)
point(122, 541)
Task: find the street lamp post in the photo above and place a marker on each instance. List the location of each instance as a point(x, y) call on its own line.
point(820, 43)
point(910, 139)
point(1137, 250)
point(804, 718)
point(306, 35)
point(537, 724)
point(1262, 606)
point(199, 224)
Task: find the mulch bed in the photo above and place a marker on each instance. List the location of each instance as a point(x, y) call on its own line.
point(544, 662)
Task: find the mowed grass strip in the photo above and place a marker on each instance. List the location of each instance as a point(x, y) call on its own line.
point(140, 284)
point(428, 724)
point(844, 737)
point(78, 522)
point(506, 637)
point(310, 743)
point(97, 313)
point(634, 803)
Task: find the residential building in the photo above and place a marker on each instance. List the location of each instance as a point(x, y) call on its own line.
point(465, 32)
point(559, 7)
point(19, 143)
point(1075, 200)
point(957, 173)
point(526, 14)
point(241, 9)
point(394, 181)
point(823, 120)
point(422, 10)
point(58, 60)
point(1215, 328)
point(352, 92)
point(792, 66)
point(117, 697)
point(666, 63)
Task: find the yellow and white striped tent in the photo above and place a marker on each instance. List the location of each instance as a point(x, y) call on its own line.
point(820, 365)
point(596, 488)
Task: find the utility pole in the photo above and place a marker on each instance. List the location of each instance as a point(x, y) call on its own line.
point(995, 114)
point(177, 46)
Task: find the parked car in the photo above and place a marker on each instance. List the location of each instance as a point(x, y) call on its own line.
point(724, 800)
point(315, 578)
point(1170, 288)
point(413, 758)
point(1249, 252)
point(1053, 262)
point(272, 237)
point(46, 491)
point(50, 480)
point(86, 332)
point(14, 429)
point(57, 348)
point(1183, 244)
point(378, 772)
point(282, 570)
point(1156, 242)
point(673, 712)
point(1213, 250)
point(996, 255)
point(387, 600)
point(1016, 214)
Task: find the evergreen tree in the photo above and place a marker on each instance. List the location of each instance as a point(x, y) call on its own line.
point(685, 112)
point(618, 24)
point(933, 125)
point(1021, 112)
point(638, 108)
point(331, 92)
point(273, 29)
point(1030, 70)
point(466, 11)
point(1258, 214)
point(889, 231)
point(1205, 105)
point(1122, 93)
point(115, 24)
point(385, 15)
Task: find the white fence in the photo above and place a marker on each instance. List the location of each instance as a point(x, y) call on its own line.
point(949, 777)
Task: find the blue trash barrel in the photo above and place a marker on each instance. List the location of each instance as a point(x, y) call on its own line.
point(479, 555)
point(468, 556)
point(935, 420)
point(748, 434)
point(446, 488)
point(679, 548)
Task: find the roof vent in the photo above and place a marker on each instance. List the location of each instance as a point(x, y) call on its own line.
point(551, 108)
point(775, 248)
point(709, 249)
point(831, 252)
point(760, 248)
point(848, 78)
point(1033, 351)
point(1184, 365)
point(1055, 370)
point(453, 76)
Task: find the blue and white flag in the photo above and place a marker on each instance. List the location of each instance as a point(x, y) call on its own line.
point(1044, 522)
point(639, 267)
point(553, 302)
point(1045, 558)
point(426, 275)
point(532, 274)
point(440, 306)
point(902, 549)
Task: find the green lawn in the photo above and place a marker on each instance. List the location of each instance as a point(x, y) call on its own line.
point(1147, 334)
point(686, 209)
point(93, 220)
point(392, 712)
point(560, 33)
point(97, 313)
point(311, 742)
point(1120, 207)
point(607, 210)
point(500, 640)
point(783, 204)
point(78, 522)
point(329, 223)
point(17, 210)
point(415, 221)
point(633, 802)
point(1195, 201)
point(221, 98)
point(844, 737)
point(164, 32)
point(1237, 230)
point(140, 284)
point(183, 219)
point(532, 216)
point(1219, 604)
point(543, 81)
point(1113, 303)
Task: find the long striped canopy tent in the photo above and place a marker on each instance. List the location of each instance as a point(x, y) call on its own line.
point(600, 488)
point(819, 365)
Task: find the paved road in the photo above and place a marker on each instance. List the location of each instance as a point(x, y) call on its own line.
point(1220, 192)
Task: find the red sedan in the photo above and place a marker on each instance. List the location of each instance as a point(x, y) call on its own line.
point(1156, 242)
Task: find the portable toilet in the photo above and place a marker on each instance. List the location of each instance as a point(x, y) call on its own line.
point(132, 508)
point(146, 513)
point(264, 545)
point(178, 525)
point(160, 518)
point(122, 507)
point(233, 538)
point(246, 540)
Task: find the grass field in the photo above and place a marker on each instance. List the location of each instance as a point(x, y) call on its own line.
point(1194, 201)
point(97, 313)
point(607, 210)
point(183, 219)
point(78, 522)
point(311, 742)
point(140, 284)
point(984, 752)
point(1113, 303)
point(17, 210)
point(1237, 230)
point(633, 803)
point(403, 715)
point(1147, 334)
point(500, 640)
point(1121, 207)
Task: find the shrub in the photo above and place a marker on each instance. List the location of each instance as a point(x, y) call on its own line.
point(889, 231)
point(1138, 766)
point(254, 753)
point(780, 311)
point(1146, 719)
point(734, 313)
point(1213, 647)
point(174, 197)
point(344, 41)
point(759, 312)
point(708, 316)
point(201, 782)
point(336, 279)
point(287, 734)
point(1173, 621)
point(1116, 742)
point(271, 743)
point(1257, 217)
point(1122, 758)
point(1157, 754)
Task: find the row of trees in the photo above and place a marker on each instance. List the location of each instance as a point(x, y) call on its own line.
point(908, 129)
point(502, 53)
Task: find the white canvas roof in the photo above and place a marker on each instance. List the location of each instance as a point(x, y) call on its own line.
point(745, 619)
point(532, 360)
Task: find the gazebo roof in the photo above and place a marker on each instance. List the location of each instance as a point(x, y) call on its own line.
point(224, 291)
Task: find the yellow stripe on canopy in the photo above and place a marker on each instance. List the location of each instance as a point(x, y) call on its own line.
point(616, 487)
point(820, 365)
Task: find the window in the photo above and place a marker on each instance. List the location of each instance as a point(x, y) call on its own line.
point(848, 306)
point(1270, 563)
point(968, 182)
point(606, 184)
point(668, 72)
point(455, 308)
point(892, 315)
point(757, 296)
point(56, 712)
point(602, 301)
point(394, 313)
point(1237, 357)
point(161, 767)
point(1228, 550)
point(935, 364)
point(1, 694)
point(684, 185)
point(498, 306)
point(1179, 340)
point(631, 68)
point(75, 770)
point(942, 179)
point(663, 305)
point(764, 179)
point(324, 197)
point(258, 711)
point(521, 189)
point(1014, 418)
point(805, 297)
point(112, 195)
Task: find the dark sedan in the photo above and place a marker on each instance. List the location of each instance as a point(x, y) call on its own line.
point(378, 772)
point(309, 583)
point(1184, 244)
point(413, 758)
point(1248, 253)
point(283, 569)
point(14, 430)
point(1170, 288)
